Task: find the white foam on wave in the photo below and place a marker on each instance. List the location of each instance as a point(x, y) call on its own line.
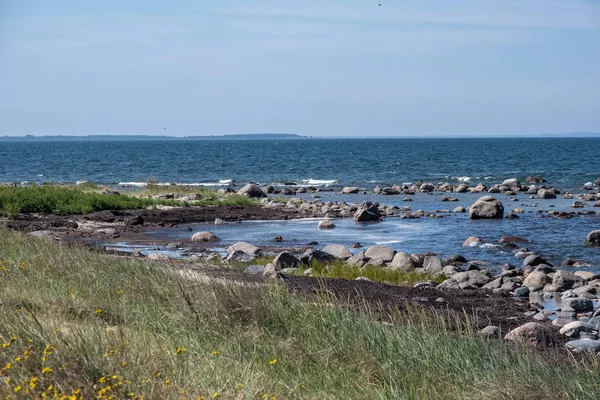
point(80, 182)
point(317, 182)
point(133, 184)
point(463, 178)
point(489, 246)
point(389, 242)
point(222, 182)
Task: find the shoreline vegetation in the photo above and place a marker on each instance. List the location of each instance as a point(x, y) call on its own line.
point(78, 323)
point(89, 198)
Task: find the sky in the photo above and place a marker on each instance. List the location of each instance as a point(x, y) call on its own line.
point(310, 67)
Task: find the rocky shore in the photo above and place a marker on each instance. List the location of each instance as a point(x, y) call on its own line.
point(532, 278)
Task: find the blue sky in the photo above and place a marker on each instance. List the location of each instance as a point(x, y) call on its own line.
point(318, 68)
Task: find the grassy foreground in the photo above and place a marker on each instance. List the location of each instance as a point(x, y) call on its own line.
point(76, 323)
point(61, 200)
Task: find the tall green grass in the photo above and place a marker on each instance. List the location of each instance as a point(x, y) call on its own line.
point(79, 323)
point(62, 200)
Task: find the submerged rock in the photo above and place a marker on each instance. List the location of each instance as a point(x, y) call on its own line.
point(593, 239)
point(204, 237)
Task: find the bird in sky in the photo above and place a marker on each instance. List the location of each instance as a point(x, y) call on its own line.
point(167, 129)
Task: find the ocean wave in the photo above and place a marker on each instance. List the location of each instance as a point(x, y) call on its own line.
point(222, 182)
point(317, 182)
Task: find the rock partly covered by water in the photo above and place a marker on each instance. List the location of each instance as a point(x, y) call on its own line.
point(593, 239)
point(486, 207)
point(366, 212)
point(204, 237)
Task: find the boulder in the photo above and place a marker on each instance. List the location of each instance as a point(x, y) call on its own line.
point(349, 190)
point(491, 331)
point(338, 250)
point(521, 292)
point(535, 179)
point(546, 194)
point(513, 239)
point(565, 280)
point(366, 212)
point(133, 221)
point(512, 183)
point(382, 253)
point(204, 237)
point(285, 259)
point(486, 207)
point(531, 333)
point(158, 257)
point(471, 278)
point(573, 329)
point(432, 264)
point(270, 270)
point(311, 255)
point(252, 191)
point(239, 256)
point(593, 239)
point(326, 224)
point(583, 346)
point(43, 235)
point(536, 280)
point(576, 304)
point(473, 241)
point(244, 247)
point(403, 262)
point(533, 260)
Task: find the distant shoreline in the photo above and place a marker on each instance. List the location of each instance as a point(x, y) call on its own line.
point(277, 136)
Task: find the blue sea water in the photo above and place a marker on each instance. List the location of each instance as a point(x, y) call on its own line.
point(567, 163)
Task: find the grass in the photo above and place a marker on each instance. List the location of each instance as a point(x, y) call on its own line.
point(79, 323)
point(62, 200)
point(338, 269)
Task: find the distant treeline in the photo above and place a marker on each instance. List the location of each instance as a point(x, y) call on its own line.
point(250, 136)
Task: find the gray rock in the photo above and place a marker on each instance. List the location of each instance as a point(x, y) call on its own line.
point(531, 333)
point(593, 239)
point(285, 259)
point(252, 191)
point(486, 207)
point(587, 275)
point(583, 346)
point(255, 269)
point(326, 224)
point(473, 241)
point(513, 239)
point(523, 291)
point(536, 280)
point(491, 331)
point(239, 256)
point(338, 250)
point(312, 255)
point(366, 212)
point(204, 237)
point(404, 262)
point(494, 284)
point(432, 264)
point(573, 329)
point(43, 235)
point(577, 304)
point(565, 280)
point(245, 247)
point(474, 278)
point(289, 271)
point(448, 284)
point(546, 194)
point(386, 254)
point(349, 190)
point(533, 260)
point(270, 270)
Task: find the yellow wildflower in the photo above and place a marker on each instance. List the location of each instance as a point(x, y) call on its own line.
point(46, 370)
point(273, 362)
point(215, 353)
point(180, 350)
point(17, 388)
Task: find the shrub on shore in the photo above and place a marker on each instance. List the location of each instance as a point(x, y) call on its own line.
point(79, 323)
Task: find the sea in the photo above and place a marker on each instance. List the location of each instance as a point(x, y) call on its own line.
point(569, 164)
